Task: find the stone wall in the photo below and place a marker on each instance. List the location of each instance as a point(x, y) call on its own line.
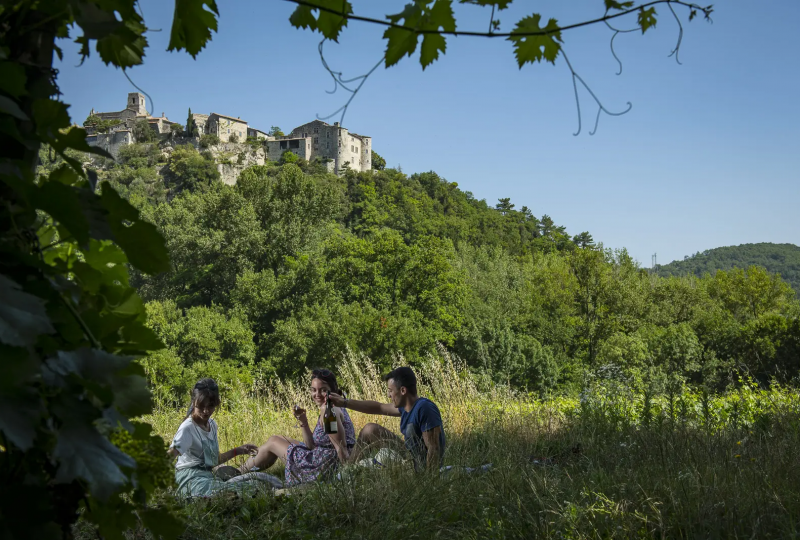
point(111, 142)
point(299, 146)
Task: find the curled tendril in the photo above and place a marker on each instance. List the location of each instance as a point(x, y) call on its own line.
point(339, 82)
point(601, 108)
point(613, 52)
point(676, 51)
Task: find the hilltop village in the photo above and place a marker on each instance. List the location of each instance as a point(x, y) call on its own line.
point(333, 145)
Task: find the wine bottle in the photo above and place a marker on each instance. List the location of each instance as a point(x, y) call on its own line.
point(329, 418)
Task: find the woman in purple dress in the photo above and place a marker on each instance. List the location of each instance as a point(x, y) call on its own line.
point(319, 453)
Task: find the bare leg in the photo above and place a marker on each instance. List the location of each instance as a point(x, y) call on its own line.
point(373, 436)
point(269, 452)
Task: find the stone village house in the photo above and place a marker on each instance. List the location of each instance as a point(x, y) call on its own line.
point(334, 145)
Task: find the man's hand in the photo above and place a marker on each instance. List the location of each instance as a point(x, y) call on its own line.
point(336, 399)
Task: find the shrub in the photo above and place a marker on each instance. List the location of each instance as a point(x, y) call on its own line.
point(209, 140)
point(233, 138)
point(288, 157)
point(142, 132)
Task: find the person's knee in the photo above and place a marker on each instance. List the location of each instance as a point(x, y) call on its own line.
point(370, 431)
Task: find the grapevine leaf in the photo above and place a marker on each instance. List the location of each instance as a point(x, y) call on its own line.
point(143, 244)
point(9, 106)
point(22, 316)
point(326, 23)
point(64, 205)
point(192, 25)
point(647, 18)
point(83, 453)
point(19, 402)
point(500, 4)
point(303, 18)
point(399, 43)
point(12, 79)
point(93, 365)
point(534, 48)
point(440, 16)
point(429, 51)
point(124, 47)
point(619, 6)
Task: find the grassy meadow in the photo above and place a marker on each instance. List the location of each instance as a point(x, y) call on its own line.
point(611, 464)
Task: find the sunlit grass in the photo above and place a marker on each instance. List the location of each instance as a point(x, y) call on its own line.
point(617, 464)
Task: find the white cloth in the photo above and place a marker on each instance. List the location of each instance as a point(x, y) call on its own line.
point(188, 441)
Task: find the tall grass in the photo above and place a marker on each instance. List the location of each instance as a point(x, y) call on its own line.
point(613, 463)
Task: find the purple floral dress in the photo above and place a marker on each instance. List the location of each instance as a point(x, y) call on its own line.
point(306, 465)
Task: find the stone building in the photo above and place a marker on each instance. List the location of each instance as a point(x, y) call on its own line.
point(224, 126)
point(258, 134)
point(200, 120)
point(330, 143)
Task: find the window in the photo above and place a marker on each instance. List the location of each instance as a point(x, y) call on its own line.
point(294, 143)
point(328, 145)
point(316, 140)
point(328, 134)
point(283, 145)
point(316, 130)
point(229, 131)
point(351, 148)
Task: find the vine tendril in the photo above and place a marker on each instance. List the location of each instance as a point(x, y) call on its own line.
point(339, 82)
point(601, 108)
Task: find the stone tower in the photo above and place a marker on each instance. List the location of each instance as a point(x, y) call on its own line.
point(136, 103)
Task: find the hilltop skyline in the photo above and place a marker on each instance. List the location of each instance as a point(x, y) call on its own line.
point(706, 158)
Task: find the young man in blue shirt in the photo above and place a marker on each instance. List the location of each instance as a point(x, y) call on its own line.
point(420, 420)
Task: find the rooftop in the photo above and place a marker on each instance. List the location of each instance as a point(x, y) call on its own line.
point(229, 117)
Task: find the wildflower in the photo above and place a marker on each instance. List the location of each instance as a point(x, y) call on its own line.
point(740, 442)
point(737, 456)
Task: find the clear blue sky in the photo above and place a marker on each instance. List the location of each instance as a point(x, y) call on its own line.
point(709, 156)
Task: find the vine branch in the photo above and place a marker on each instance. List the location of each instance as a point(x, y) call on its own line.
point(607, 17)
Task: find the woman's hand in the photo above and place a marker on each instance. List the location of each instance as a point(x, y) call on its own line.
point(300, 415)
point(246, 449)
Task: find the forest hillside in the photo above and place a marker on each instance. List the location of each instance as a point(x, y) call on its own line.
point(783, 259)
point(293, 267)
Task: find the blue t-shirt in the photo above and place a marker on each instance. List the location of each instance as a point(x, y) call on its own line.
point(424, 416)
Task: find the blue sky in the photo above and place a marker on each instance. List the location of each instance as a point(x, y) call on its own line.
point(708, 156)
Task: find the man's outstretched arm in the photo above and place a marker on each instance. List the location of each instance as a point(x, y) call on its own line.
point(431, 438)
point(364, 406)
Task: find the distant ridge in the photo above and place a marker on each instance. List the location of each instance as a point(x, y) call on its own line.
point(783, 259)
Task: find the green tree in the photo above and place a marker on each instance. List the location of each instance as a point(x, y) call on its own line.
point(288, 157)
point(191, 125)
point(142, 132)
point(213, 235)
point(584, 240)
point(100, 125)
point(188, 169)
point(378, 163)
point(275, 131)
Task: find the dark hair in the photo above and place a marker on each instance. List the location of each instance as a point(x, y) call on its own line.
point(205, 391)
point(328, 377)
point(403, 376)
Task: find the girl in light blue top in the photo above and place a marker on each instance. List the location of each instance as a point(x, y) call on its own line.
point(197, 448)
